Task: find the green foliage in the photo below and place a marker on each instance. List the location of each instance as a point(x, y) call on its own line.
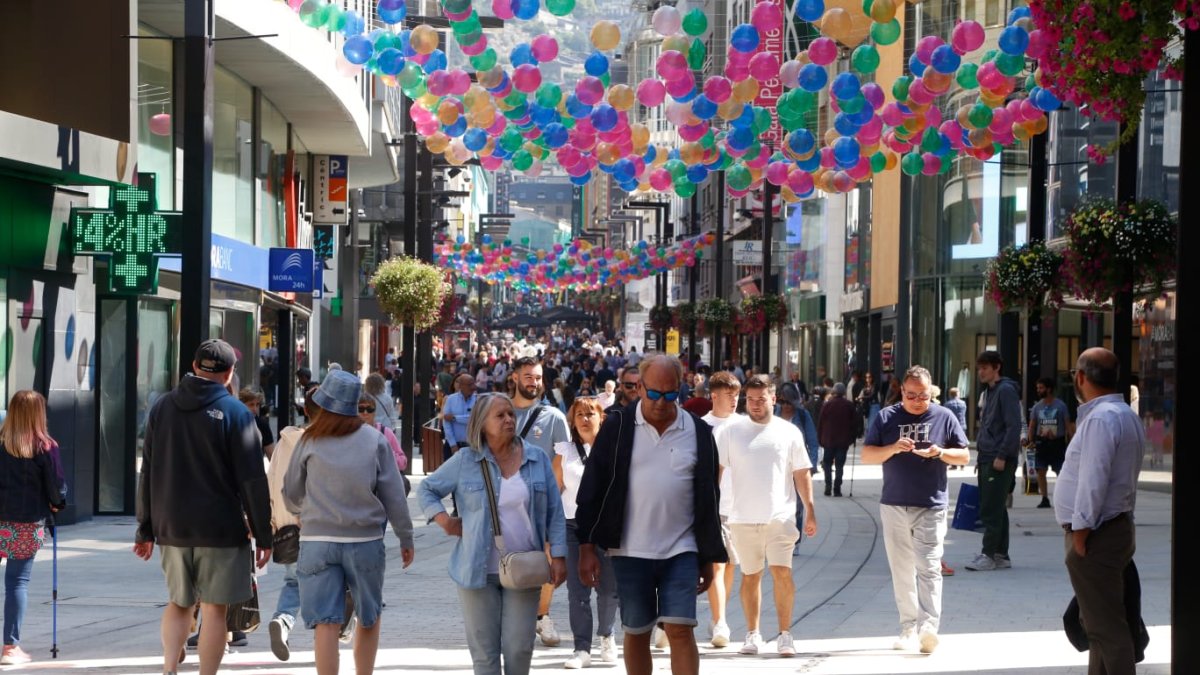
point(410, 291)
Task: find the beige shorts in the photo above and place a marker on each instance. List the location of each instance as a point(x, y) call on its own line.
point(212, 575)
point(771, 542)
point(727, 539)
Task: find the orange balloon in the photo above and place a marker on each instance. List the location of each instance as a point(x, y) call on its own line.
point(447, 113)
point(850, 24)
point(980, 138)
point(730, 109)
point(607, 153)
point(892, 160)
point(746, 90)
point(836, 23)
point(620, 96)
point(691, 153)
point(1038, 125)
point(938, 83)
point(963, 116)
point(490, 79)
point(605, 35)
point(423, 39)
point(639, 135)
point(437, 143)
point(883, 11)
point(1020, 132)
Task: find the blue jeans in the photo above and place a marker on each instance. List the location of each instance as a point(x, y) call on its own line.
point(288, 605)
point(580, 596)
point(499, 621)
point(327, 569)
point(16, 597)
point(656, 590)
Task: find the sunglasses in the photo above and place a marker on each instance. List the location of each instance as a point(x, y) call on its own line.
point(366, 408)
point(629, 385)
point(669, 396)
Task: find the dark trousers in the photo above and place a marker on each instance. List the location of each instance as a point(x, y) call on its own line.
point(993, 510)
point(1099, 582)
point(834, 457)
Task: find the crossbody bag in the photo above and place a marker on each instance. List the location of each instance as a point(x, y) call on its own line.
point(521, 570)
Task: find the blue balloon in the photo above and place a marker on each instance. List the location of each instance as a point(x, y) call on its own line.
point(801, 141)
point(437, 61)
point(556, 135)
point(688, 96)
point(457, 129)
point(358, 50)
point(845, 86)
point(525, 9)
point(740, 138)
point(862, 116)
point(475, 139)
point(744, 38)
point(393, 16)
point(542, 115)
point(810, 10)
point(581, 180)
point(811, 164)
point(576, 108)
point(915, 66)
point(390, 61)
point(697, 173)
point(1017, 14)
point(1013, 40)
point(604, 117)
point(406, 44)
point(651, 154)
point(703, 107)
point(845, 125)
point(745, 120)
point(945, 60)
point(624, 169)
point(596, 64)
point(487, 238)
point(521, 55)
point(813, 78)
point(1044, 99)
point(846, 151)
point(354, 24)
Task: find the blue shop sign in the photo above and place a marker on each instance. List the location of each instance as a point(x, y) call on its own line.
point(233, 261)
point(291, 269)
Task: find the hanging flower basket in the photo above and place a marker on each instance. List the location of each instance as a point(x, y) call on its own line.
point(410, 291)
point(448, 314)
point(1025, 278)
point(685, 317)
point(716, 313)
point(1114, 248)
point(767, 311)
point(661, 317)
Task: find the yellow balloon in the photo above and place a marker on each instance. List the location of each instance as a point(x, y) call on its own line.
point(675, 43)
point(643, 187)
point(980, 138)
point(1039, 125)
point(620, 96)
point(992, 100)
point(730, 109)
point(787, 194)
point(437, 143)
point(892, 160)
point(605, 35)
point(836, 23)
point(447, 113)
point(831, 135)
point(1020, 132)
point(639, 134)
point(534, 149)
point(424, 39)
point(883, 11)
point(746, 90)
point(428, 101)
point(388, 80)
point(490, 79)
point(484, 118)
point(607, 153)
point(963, 117)
point(691, 153)
point(660, 155)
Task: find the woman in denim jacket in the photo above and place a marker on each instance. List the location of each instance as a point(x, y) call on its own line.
point(499, 621)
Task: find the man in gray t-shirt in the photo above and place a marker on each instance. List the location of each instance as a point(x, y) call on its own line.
point(1049, 428)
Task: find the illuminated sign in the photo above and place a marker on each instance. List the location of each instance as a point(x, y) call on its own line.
point(131, 234)
point(332, 190)
point(290, 269)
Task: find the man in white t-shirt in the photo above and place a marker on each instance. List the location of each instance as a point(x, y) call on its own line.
point(769, 466)
point(723, 389)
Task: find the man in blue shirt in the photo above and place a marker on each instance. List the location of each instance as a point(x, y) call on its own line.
point(1094, 501)
point(1050, 428)
point(915, 441)
point(455, 412)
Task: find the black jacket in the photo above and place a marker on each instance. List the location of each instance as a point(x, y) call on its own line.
point(604, 488)
point(202, 469)
point(29, 486)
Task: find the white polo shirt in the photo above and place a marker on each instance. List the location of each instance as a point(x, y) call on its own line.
point(660, 506)
point(726, 476)
point(761, 459)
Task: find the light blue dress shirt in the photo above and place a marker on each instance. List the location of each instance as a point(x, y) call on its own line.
point(1100, 473)
point(456, 432)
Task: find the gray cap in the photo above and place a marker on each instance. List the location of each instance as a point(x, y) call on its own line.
point(839, 389)
point(339, 393)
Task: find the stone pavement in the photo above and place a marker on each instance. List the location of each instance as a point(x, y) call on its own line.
point(1007, 621)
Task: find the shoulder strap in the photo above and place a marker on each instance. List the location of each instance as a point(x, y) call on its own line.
point(487, 483)
point(582, 455)
point(529, 422)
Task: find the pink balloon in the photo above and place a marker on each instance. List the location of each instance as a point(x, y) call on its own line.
point(933, 116)
point(736, 193)
point(925, 47)
point(766, 16)
point(861, 169)
point(917, 93)
point(660, 179)
point(693, 133)
point(822, 51)
point(989, 75)
point(933, 164)
point(874, 95)
point(544, 48)
point(502, 9)
point(1038, 43)
point(671, 65)
point(438, 83)
point(952, 131)
point(891, 115)
point(967, 37)
point(683, 86)
point(760, 160)
point(490, 163)
point(526, 78)
point(475, 48)
point(1002, 120)
point(589, 90)
point(842, 182)
point(460, 82)
point(777, 173)
point(427, 128)
point(870, 132)
point(650, 92)
point(456, 16)
point(737, 72)
point(827, 159)
point(789, 73)
point(160, 124)
point(498, 126)
point(718, 89)
point(800, 181)
point(764, 66)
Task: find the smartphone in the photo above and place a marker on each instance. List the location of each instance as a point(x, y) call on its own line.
point(923, 445)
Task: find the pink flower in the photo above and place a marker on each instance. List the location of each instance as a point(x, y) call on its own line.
point(1126, 11)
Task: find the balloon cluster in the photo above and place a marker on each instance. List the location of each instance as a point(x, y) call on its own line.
point(510, 116)
point(579, 265)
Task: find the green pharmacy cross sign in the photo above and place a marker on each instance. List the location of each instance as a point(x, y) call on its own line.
point(131, 234)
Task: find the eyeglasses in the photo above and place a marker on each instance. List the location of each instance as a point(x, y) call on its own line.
point(669, 396)
point(366, 408)
point(915, 397)
point(629, 385)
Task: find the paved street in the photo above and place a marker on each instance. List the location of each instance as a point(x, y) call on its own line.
point(1006, 621)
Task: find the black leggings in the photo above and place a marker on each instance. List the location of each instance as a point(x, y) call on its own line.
point(827, 464)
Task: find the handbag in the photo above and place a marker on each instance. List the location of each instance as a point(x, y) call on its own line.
point(244, 616)
point(285, 545)
point(522, 570)
point(966, 507)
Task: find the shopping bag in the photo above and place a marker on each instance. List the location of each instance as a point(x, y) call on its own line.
point(966, 507)
point(1029, 471)
point(244, 616)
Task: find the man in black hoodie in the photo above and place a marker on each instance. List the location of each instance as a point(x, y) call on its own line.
point(999, 445)
point(202, 478)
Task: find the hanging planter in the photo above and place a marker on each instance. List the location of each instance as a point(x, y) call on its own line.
point(764, 311)
point(661, 317)
point(448, 313)
point(1025, 278)
point(1114, 248)
point(716, 313)
point(685, 317)
point(410, 291)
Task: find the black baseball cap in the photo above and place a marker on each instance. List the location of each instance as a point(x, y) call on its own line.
point(215, 356)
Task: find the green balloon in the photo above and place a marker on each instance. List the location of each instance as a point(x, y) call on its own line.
point(866, 5)
point(485, 60)
point(966, 76)
point(511, 140)
point(416, 91)
point(567, 121)
point(312, 13)
point(947, 162)
point(410, 74)
point(912, 163)
point(696, 55)
point(878, 162)
point(708, 140)
point(762, 120)
point(885, 33)
point(522, 160)
point(1010, 64)
point(930, 140)
point(676, 168)
point(560, 7)
point(791, 123)
point(515, 98)
point(738, 177)
point(900, 87)
point(789, 105)
point(456, 6)
point(336, 20)
point(695, 23)
point(989, 55)
point(606, 79)
point(467, 25)
point(548, 95)
point(865, 58)
point(980, 115)
point(685, 190)
point(853, 105)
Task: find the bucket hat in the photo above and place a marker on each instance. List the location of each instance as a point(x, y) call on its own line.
point(339, 393)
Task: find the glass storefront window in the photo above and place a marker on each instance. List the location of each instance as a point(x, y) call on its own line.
point(272, 161)
point(156, 116)
point(1070, 175)
point(155, 361)
point(233, 139)
point(111, 464)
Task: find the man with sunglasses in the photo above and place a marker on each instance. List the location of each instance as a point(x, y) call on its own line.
point(657, 463)
point(915, 441)
point(627, 388)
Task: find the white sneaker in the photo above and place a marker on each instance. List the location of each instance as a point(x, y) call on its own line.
point(608, 649)
point(785, 645)
point(545, 629)
point(279, 639)
point(907, 640)
point(753, 643)
point(579, 659)
point(982, 563)
point(659, 640)
point(929, 641)
point(720, 634)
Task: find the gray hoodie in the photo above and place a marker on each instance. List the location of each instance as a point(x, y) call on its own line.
point(347, 489)
point(1000, 422)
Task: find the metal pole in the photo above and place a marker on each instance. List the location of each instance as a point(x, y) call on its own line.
point(423, 355)
point(692, 271)
point(1127, 175)
point(768, 286)
point(195, 287)
point(1037, 231)
point(719, 261)
point(406, 361)
point(668, 236)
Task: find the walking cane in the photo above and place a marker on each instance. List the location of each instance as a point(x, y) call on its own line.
point(852, 463)
point(54, 591)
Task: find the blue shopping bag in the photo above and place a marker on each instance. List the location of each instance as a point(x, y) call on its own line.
point(966, 507)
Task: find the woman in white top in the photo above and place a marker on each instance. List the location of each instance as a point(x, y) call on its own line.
point(608, 396)
point(584, 418)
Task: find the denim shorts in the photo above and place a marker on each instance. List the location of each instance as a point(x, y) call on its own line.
point(326, 569)
point(652, 591)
